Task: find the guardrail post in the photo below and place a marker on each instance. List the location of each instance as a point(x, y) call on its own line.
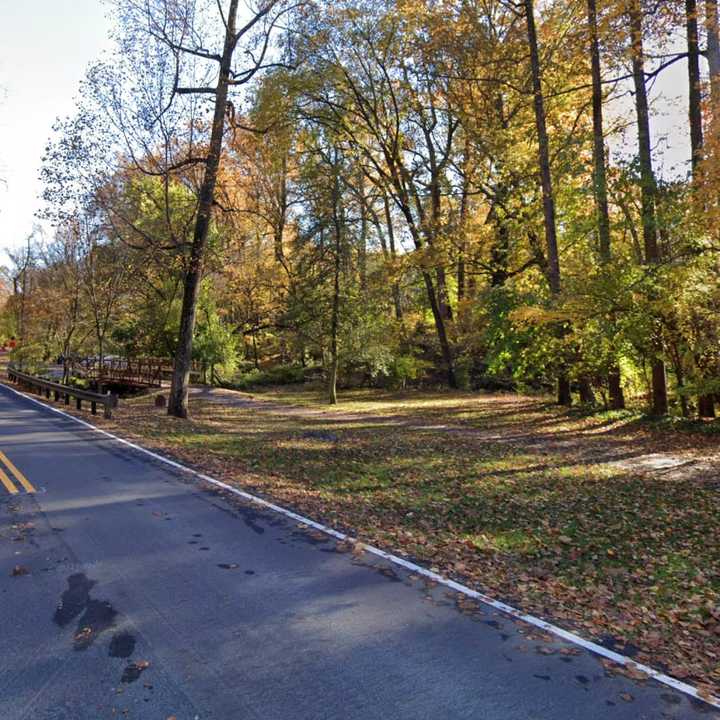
point(78, 403)
point(110, 403)
point(93, 407)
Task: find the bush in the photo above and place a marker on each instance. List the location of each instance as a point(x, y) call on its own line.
point(29, 358)
point(407, 368)
point(279, 375)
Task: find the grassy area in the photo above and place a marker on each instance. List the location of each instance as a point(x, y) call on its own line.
point(519, 499)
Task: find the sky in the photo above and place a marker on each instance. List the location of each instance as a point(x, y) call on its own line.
point(45, 47)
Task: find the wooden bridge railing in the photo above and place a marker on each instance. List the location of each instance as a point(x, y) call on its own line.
point(123, 370)
point(144, 371)
point(65, 392)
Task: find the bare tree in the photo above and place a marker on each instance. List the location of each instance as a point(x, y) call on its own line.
point(23, 262)
point(382, 101)
point(184, 53)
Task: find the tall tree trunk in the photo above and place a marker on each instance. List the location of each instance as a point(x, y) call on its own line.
point(443, 295)
point(178, 400)
point(543, 154)
point(706, 404)
point(393, 254)
point(587, 396)
point(335, 315)
point(648, 188)
point(614, 380)
point(362, 240)
point(677, 366)
point(599, 172)
point(281, 215)
point(553, 257)
point(499, 252)
point(707, 408)
point(462, 222)
point(713, 57)
point(460, 277)
point(439, 318)
point(436, 307)
point(694, 90)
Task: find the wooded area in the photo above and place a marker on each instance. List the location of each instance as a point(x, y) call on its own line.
point(459, 192)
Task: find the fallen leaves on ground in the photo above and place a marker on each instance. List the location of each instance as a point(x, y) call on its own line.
point(524, 502)
point(133, 671)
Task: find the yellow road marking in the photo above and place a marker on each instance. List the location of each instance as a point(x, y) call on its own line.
point(5, 480)
point(18, 475)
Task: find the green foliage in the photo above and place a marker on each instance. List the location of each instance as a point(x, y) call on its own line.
point(407, 369)
point(391, 243)
point(215, 343)
point(278, 375)
point(32, 358)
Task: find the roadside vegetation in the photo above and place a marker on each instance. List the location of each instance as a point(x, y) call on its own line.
point(454, 221)
point(348, 191)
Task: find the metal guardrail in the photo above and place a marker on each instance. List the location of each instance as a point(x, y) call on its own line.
point(46, 387)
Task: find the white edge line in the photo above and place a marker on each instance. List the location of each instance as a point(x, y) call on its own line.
point(408, 565)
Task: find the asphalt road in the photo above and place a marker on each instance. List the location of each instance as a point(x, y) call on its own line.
point(128, 590)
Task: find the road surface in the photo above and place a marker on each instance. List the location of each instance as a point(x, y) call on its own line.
point(128, 590)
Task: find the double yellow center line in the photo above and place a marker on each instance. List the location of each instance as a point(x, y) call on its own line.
point(19, 477)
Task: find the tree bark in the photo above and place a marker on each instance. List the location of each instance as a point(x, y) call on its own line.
point(363, 238)
point(393, 254)
point(445, 348)
point(587, 396)
point(615, 389)
point(648, 188)
point(599, 172)
point(462, 222)
point(706, 404)
point(281, 216)
point(443, 295)
point(178, 399)
point(713, 57)
point(694, 89)
point(335, 315)
point(553, 258)
point(614, 380)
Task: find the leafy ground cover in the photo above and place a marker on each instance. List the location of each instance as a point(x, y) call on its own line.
point(604, 524)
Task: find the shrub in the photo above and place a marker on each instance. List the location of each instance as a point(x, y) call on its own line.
point(278, 375)
point(407, 368)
